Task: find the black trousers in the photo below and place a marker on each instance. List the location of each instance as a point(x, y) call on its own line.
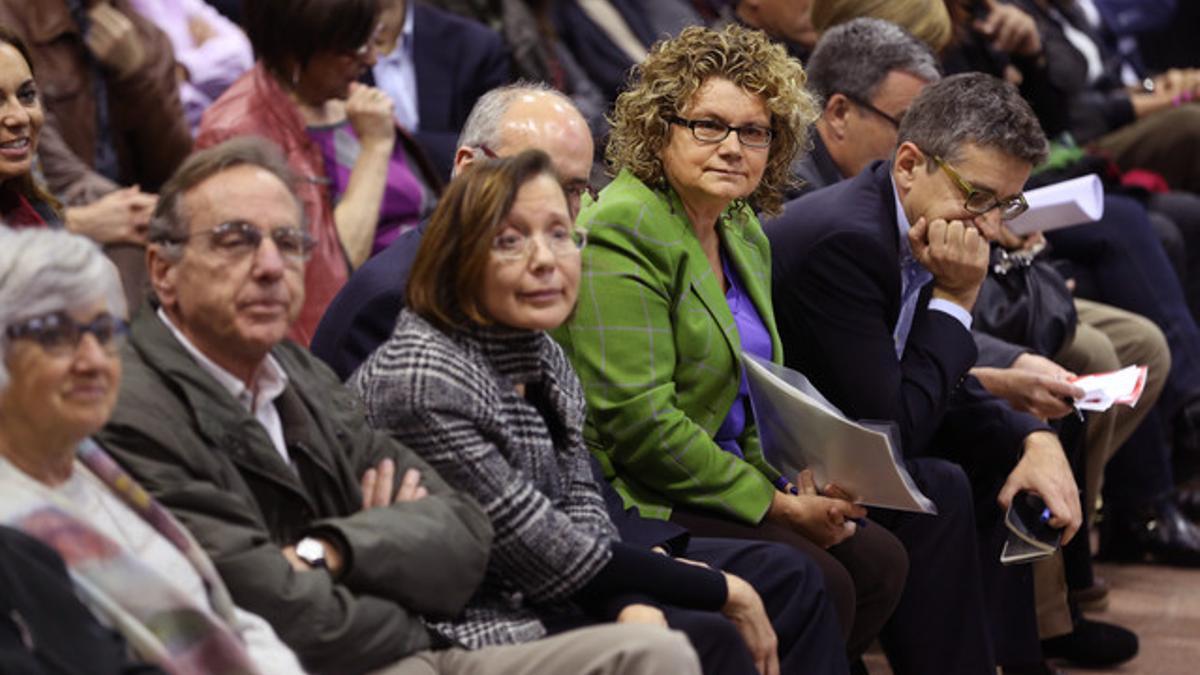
point(793, 594)
point(1010, 607)
point(864, 575)
point(941, 624)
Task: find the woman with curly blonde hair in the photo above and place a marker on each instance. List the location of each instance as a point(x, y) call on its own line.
point(676, 285)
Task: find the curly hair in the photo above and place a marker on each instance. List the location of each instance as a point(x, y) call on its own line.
point(667, 80)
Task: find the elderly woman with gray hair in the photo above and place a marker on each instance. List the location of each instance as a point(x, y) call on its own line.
point(134, 566)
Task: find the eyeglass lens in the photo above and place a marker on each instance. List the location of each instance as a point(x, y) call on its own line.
point(240, 238)
point(513, 244)
point(58, 332)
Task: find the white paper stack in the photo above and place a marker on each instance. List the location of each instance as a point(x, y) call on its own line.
point(1071, 202)
point(800, 429)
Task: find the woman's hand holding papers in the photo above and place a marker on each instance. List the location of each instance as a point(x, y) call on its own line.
point(824, 520)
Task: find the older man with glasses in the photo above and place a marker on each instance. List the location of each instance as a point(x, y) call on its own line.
point(343, 539)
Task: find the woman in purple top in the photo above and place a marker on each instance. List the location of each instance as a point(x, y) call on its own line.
point(406, 200)
point(756, 340)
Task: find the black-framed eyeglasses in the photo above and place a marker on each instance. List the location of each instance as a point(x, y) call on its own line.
point(715, 131)
point(980, 201)
point(57, 333)
point(561, 240)
point(238, 239)
point(894, 121)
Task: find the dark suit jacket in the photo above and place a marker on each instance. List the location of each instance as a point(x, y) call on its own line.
point(607, 65)
point(457, 61)
point(817, 170)
point(363, 314)
point(836, 287)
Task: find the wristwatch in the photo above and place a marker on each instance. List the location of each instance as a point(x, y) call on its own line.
point(312, 551)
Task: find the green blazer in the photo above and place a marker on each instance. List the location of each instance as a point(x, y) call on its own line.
point(658, 352)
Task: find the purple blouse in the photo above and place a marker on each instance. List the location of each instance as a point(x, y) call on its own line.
point(755, 340)
point(406, 200)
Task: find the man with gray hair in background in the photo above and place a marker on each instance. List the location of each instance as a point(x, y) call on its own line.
point(865, 72)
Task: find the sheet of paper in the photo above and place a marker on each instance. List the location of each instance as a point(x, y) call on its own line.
point(1052, 207)
point(1104, 390)
point(800, 429)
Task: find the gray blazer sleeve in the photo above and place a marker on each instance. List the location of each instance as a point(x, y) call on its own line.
point(994, 352)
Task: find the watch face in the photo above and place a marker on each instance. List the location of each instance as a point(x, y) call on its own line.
point(311, 551)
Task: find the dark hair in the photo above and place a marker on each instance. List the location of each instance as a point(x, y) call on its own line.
point(25, 184)
point(170, 224)
point(288, 33)
point(447, 275)
point(854, 58)
point(973, 108)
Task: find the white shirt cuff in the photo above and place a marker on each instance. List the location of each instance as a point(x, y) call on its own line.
point(961, 315)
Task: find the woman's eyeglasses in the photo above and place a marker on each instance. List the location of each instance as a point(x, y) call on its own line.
point(59, 334)
point(715, 131)
point(512, 245)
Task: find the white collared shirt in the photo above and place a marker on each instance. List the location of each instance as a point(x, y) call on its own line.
point(269, 383)
point(396, 74)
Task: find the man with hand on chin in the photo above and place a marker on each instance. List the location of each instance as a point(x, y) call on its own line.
point(874, 282)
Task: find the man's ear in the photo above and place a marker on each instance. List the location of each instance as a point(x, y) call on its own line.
point(463, 158)
point(908, 161)
point(837, 110)
point(163, 272)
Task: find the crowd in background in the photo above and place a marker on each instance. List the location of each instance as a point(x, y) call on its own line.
point(407, 336)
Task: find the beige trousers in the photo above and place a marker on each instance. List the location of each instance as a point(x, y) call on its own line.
point(609, 649)
point(1106, 338)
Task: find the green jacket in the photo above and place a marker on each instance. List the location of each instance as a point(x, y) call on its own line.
point(658, 352)
point(207, 459)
